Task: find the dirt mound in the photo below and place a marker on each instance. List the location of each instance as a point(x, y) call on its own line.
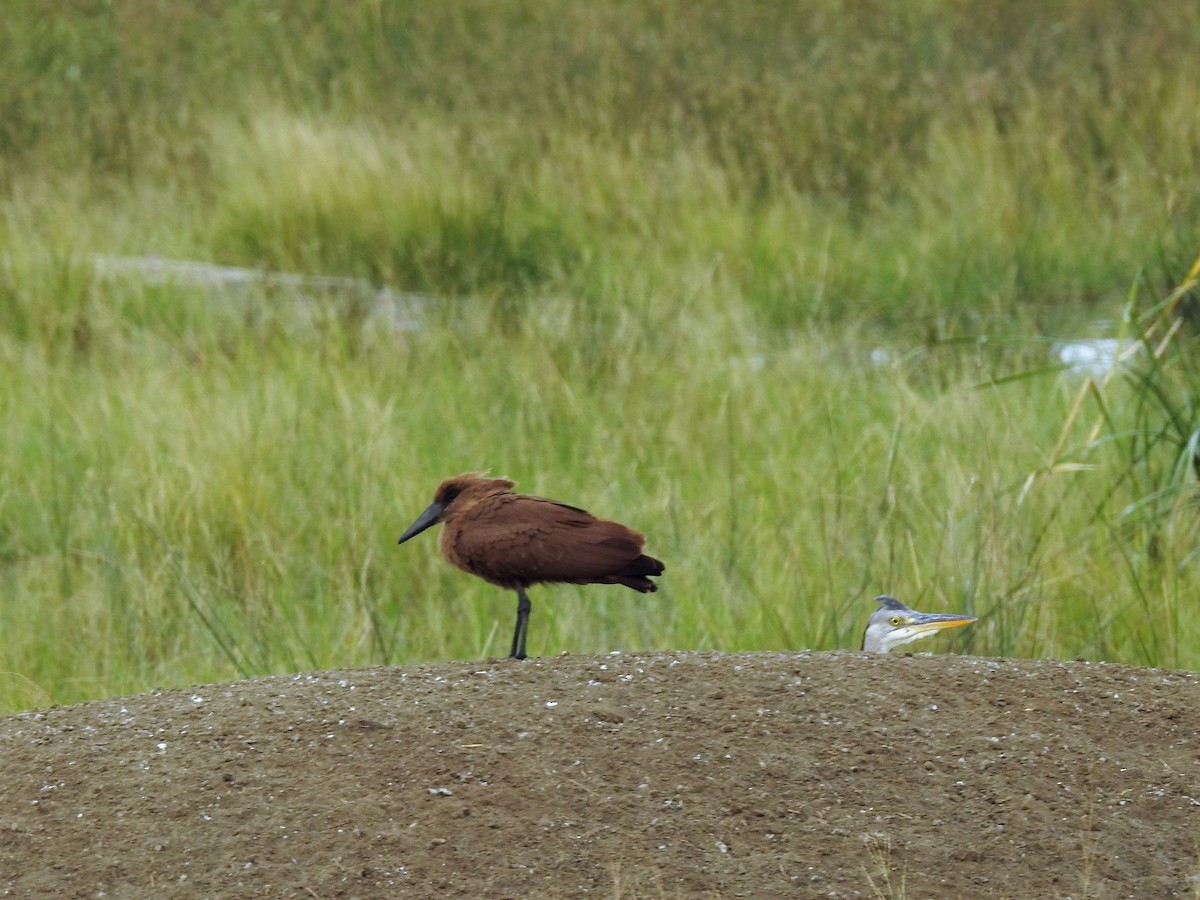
point(675, 774)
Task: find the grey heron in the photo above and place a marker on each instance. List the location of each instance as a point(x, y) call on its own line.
point(894, 624)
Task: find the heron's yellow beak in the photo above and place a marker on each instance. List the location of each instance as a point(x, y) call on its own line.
point(927, 623)
point(916, 625)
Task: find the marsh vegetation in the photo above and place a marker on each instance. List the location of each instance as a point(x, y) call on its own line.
point(776, 285)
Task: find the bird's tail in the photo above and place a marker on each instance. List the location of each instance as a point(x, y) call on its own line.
point(633, 574)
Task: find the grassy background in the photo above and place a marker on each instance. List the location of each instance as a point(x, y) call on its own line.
point(723, 271)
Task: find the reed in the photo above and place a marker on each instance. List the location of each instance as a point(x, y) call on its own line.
point(777, 288)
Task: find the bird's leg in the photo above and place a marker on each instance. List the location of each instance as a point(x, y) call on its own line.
point(518, 644)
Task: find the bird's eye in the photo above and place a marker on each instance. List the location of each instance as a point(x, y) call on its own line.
point(894, 621)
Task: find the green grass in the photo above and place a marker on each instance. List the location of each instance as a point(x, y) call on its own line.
point(663, 241)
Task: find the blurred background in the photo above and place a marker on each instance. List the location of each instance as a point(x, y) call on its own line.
point(829, 299)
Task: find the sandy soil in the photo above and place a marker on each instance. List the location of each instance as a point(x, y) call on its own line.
point(676, 774)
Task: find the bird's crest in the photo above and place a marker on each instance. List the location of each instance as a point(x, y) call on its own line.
point(471, 482)
point(890, 603)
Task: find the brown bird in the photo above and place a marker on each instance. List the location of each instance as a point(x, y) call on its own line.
point(515, 540)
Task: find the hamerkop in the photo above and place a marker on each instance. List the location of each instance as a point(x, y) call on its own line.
point(515, 540)
point(895, 624)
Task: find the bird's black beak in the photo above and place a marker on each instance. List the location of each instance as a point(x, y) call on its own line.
point(431, 516)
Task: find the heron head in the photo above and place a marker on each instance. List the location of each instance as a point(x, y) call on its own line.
point(895, 624)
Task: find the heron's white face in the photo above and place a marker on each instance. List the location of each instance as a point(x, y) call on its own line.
point(900, 633)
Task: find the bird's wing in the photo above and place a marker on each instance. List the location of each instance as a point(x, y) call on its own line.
point(523, 537)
